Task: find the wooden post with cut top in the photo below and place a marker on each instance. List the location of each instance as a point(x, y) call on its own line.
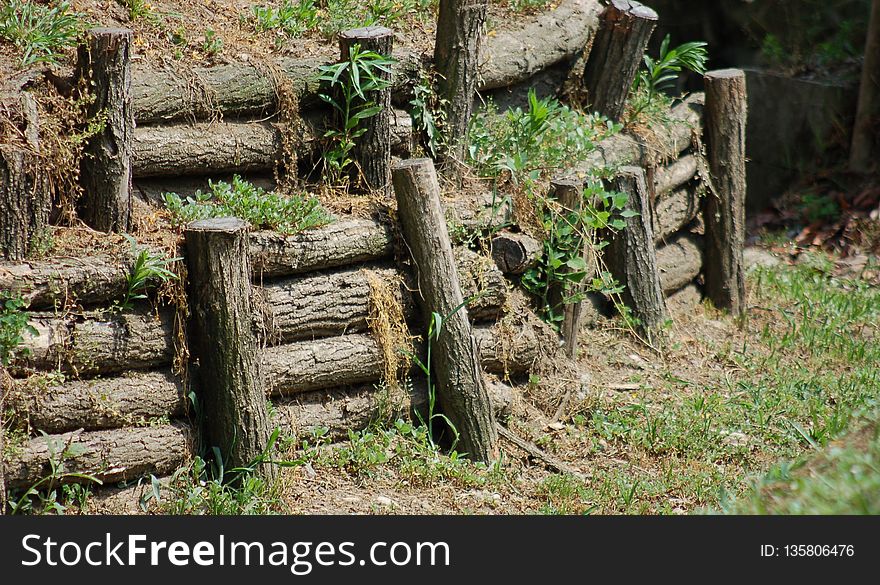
point(233, 393)
point(104, 63)
point(724, 210)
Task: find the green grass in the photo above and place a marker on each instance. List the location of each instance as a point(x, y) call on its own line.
point(808, 375)
point(262, 209)
point(41, 33)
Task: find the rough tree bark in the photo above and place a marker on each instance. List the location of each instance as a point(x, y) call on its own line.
point(105, 65)
point(110, 455)
point(373, 149)
point(340, 243)
point(460, 387)
point(631, 256)
point(227, 147)
point(348, 360)
point(624, 30)
point(724, 211)
point(103, 403)
point(674, 210)
point(680, 261)
point(865, 148)
point(457, 58)
point(25, 196)
point(97, 343)
point(674, 175)
point(233, 391)
point(43, 284)
point(335, 303)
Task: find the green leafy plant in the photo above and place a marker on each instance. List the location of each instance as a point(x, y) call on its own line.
point(213, 44)
point(262, 209)
point(13, 323)
point(40, 32)
point(45, 491)
point(428, 113)
point(435, 328)
point(138, 9)
point(147, 269)
point(660, 73)
point(292, 19)
point(523, 144)
point(348, 85)
point(569, 233)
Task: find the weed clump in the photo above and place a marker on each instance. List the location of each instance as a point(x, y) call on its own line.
point(262, 209)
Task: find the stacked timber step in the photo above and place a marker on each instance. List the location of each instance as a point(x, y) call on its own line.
point(102, 378)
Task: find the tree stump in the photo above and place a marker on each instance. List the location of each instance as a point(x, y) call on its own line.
point(372, 151)
point(865, 146)
point(631, 256)
point(514, 253)
point(25, 195)
point(455, 360)
point(724, 211)
point(233, 393)
point(624, 30)
point(105, 65)
point(457, 59)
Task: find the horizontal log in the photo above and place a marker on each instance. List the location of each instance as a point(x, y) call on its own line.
point(349, 360)
point(685, 299)
point(316, 305)
point(674, 175)
point(97, 343)
point(680, 261)
point(513, 54)
point(514, 253)
point(135, 398)
point(234, 147)
point(335, 303)
point(336, 412)
point(47, 283)
point(340, 243)
point(110, 455)
point(673, 211)
point(668, 142)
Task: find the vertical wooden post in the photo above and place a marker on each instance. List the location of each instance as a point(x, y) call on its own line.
point(865, 148)
point(373, 150)
point(724, 211)
point(569, 193)
point(455, 361)
point(25, 196)
point(457, 57)
point(624, 30)
point(631, 255)
point(105, 65)
point(233, 394)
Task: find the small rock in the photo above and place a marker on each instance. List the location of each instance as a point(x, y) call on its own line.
point(384, 501)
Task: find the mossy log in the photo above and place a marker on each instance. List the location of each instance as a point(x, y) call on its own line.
point(109, 455)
